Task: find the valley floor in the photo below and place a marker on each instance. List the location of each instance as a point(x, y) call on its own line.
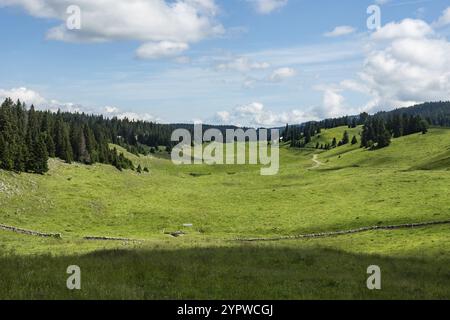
point(316, 191)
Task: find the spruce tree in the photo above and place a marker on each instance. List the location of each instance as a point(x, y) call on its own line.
point(6, 162)
point(32, 135)
point(62, 142)
point(397, 127)
point(345, 138)
point(423, 126)
point(308, 137)
point(334, 143)
point(41, 155)
point(50, 145)
point(286, 133)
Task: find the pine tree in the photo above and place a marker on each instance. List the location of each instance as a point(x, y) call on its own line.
point(6, 162)
point(79, 146)
point(63, 146)
point(384, 139)
point(41, 156)
point(354, 140)
point(308, 137)
point(363, 117)
point(423, 126)
point(114, 159)
point(345, 138)
point(50, 145)
point(47, 129)
point(334, 143)
point(397, 127)
point(286, 133)
point(31, 155)
point(375, 133)
point(91, 144)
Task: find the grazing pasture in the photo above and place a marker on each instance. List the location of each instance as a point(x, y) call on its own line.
point(209, 207)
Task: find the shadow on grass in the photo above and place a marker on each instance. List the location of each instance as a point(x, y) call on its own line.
point(245, 272)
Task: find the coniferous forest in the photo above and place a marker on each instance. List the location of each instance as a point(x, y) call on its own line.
point(378, 129)
point(28, 137)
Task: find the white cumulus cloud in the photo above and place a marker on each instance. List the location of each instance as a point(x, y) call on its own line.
point(111, 110)
point(444, 19)
point(340, 31)
point(241, 64)
point(163, 27)
point(156, 50)
point(333, 102)
point(29, 97)
point(267, 6)
point(408, 28)
point(282, 74)
point(412, 65)
point(256, 115)
point(23, 94)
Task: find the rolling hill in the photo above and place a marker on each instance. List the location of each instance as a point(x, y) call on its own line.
point(408, 182)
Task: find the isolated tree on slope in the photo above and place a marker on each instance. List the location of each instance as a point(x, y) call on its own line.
point(345, 138)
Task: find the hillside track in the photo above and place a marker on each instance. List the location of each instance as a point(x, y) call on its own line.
point(316, 161)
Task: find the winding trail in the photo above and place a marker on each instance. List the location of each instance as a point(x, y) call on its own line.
point(317, 163)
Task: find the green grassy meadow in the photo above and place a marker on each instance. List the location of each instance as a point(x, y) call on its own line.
point(404, 183)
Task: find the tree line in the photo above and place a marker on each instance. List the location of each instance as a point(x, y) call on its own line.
point(378, 130)
point(29, 137)
point(398, 122)
point(434, 113)
point(300, 136)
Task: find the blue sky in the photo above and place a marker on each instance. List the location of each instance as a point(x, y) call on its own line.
point(246, 62)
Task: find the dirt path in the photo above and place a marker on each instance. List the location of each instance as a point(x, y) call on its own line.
point(317, 163)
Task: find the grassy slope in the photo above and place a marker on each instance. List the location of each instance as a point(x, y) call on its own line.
point(326, 136)
point(353, 188)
